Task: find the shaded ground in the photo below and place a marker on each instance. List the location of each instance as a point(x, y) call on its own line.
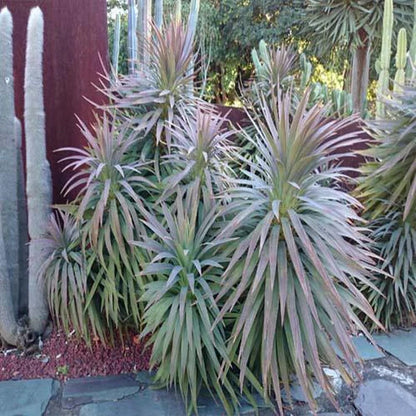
point(64, 357)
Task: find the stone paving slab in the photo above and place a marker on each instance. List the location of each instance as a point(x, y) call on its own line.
point(335, 414)
point(26, 397)
point(401, 344)
point(384, 398)
point(366, 350)
point(297, 394)
point(94, 389)
point(150, 402)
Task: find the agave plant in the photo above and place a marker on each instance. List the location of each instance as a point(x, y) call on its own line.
point(150, 97)
point(388, 192)
point(111, 186)
point(298, 255)
point(200, 151)
point(186, 269)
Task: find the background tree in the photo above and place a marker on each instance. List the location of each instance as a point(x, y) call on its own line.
point(353, 25)
point(224, 41)
point(230, 29)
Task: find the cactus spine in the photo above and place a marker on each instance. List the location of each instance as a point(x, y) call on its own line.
point(8, 185)
point(384, 77)
point(38, 184)
point(401, 55)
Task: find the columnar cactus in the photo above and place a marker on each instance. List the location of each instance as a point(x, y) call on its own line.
point(38, 184)
point(9, 269)
point(401, 57)
point(178, 10)
point(116, 44)
point(158, 13)
point(261, 59)
point(144, 33)
point(8, 155)
point(384, 76)
point(192, 22)
point(132, 37)
point(411, 64)
point(22, 220)
point(306, 73)
point(193, 16)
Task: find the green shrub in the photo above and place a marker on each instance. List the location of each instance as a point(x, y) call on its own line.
point(388, 193)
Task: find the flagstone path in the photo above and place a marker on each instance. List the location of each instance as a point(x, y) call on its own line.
point(387, 388)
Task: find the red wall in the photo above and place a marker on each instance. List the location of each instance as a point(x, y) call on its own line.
point(75, 36)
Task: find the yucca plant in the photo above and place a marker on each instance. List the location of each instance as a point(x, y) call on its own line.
point(388, 192)
point(186, 269)
point(150, 97)
point(111, 186)
point(298, 256)
point(200, 151)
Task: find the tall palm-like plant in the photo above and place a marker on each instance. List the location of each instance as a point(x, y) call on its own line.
point(111, 186)
point(187, 266)
point(150, 97)
point(294, 267)
point(388, 192)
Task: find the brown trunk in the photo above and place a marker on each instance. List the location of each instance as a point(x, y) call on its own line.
point(360, 72)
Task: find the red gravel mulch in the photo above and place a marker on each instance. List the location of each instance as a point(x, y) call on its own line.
point(67, 357)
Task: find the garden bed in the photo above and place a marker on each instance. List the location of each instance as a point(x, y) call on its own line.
point(68, 357)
